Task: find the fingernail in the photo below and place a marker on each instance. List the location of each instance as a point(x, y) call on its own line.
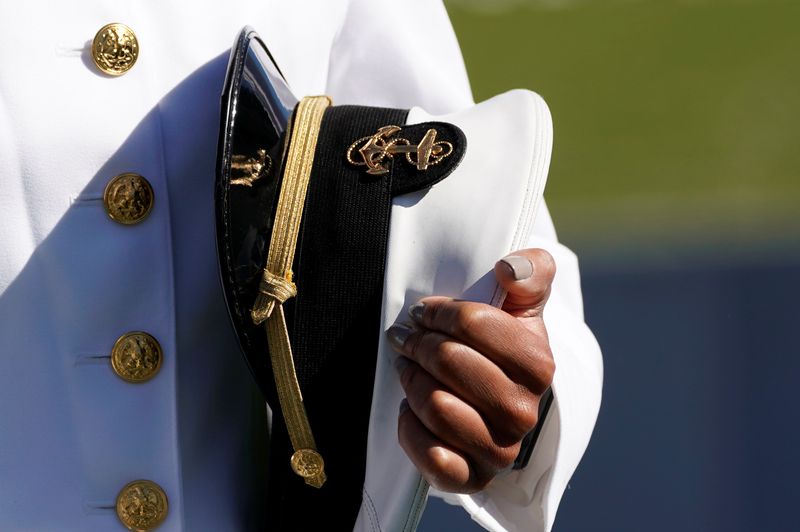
point(403, 406)
point(400, 364)
point(398, 334)
point(416, 310)
point(521, 268)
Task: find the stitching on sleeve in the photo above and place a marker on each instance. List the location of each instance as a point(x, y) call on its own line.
point(366, 503)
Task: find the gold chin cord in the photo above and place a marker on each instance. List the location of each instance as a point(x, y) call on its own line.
point(277, 286)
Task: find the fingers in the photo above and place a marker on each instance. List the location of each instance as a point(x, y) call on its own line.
point(458, 427)
point(520, 349)
point(473, 376)
point(443, 468)
point(508, 408)
point(527, 276)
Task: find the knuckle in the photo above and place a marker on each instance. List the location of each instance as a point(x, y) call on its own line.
point(447, 357)
point(439, 462)
point(500, 457)
point(548, 370)
point(478, 481)
point(519, 416)
point(436, 408)
point(441, 471)
point(469, 317)
point(538, 366)
point(543, 370)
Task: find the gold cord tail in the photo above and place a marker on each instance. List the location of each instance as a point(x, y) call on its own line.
point(277, 286)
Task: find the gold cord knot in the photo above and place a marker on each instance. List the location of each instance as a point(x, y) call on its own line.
point(273, 288)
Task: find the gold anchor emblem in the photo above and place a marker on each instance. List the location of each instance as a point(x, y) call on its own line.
point(250, 169)
point(374, 149)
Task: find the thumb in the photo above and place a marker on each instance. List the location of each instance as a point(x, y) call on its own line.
point(527, 276)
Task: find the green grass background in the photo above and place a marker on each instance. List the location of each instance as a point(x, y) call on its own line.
point(676, 121)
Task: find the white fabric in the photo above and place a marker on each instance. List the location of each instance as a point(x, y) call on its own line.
point(445, 241)
point(71, 280)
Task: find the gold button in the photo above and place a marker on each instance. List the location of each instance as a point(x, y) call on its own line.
point(115, 49)
point(128, 198)
point(136, 357)
point(142, 505)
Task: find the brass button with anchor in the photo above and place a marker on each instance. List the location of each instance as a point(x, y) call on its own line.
point(115, 49)
point(128, 198)
point(142, 505)
point(136, 357)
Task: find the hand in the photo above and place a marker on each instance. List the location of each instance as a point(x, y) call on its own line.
point(473, 376)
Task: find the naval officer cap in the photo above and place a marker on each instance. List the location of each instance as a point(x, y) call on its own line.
point(304, 197)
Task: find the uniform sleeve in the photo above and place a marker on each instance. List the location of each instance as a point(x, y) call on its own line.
point(407, 55)
point(398, 54)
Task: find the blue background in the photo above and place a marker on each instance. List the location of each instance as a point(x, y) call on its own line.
point(675, 178)
point(699, 424)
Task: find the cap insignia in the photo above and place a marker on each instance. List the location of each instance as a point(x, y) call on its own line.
point(372, 151)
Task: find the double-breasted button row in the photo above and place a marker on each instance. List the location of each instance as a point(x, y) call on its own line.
point(136, 356)
point(128, 197)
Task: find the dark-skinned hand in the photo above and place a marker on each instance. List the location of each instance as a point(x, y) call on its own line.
point(473, 376)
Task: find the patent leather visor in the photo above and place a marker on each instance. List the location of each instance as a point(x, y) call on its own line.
point(256, 107)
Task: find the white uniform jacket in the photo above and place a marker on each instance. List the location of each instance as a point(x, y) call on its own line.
point(72, 280)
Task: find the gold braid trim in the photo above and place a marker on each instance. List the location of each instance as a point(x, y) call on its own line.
point(277, 286)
